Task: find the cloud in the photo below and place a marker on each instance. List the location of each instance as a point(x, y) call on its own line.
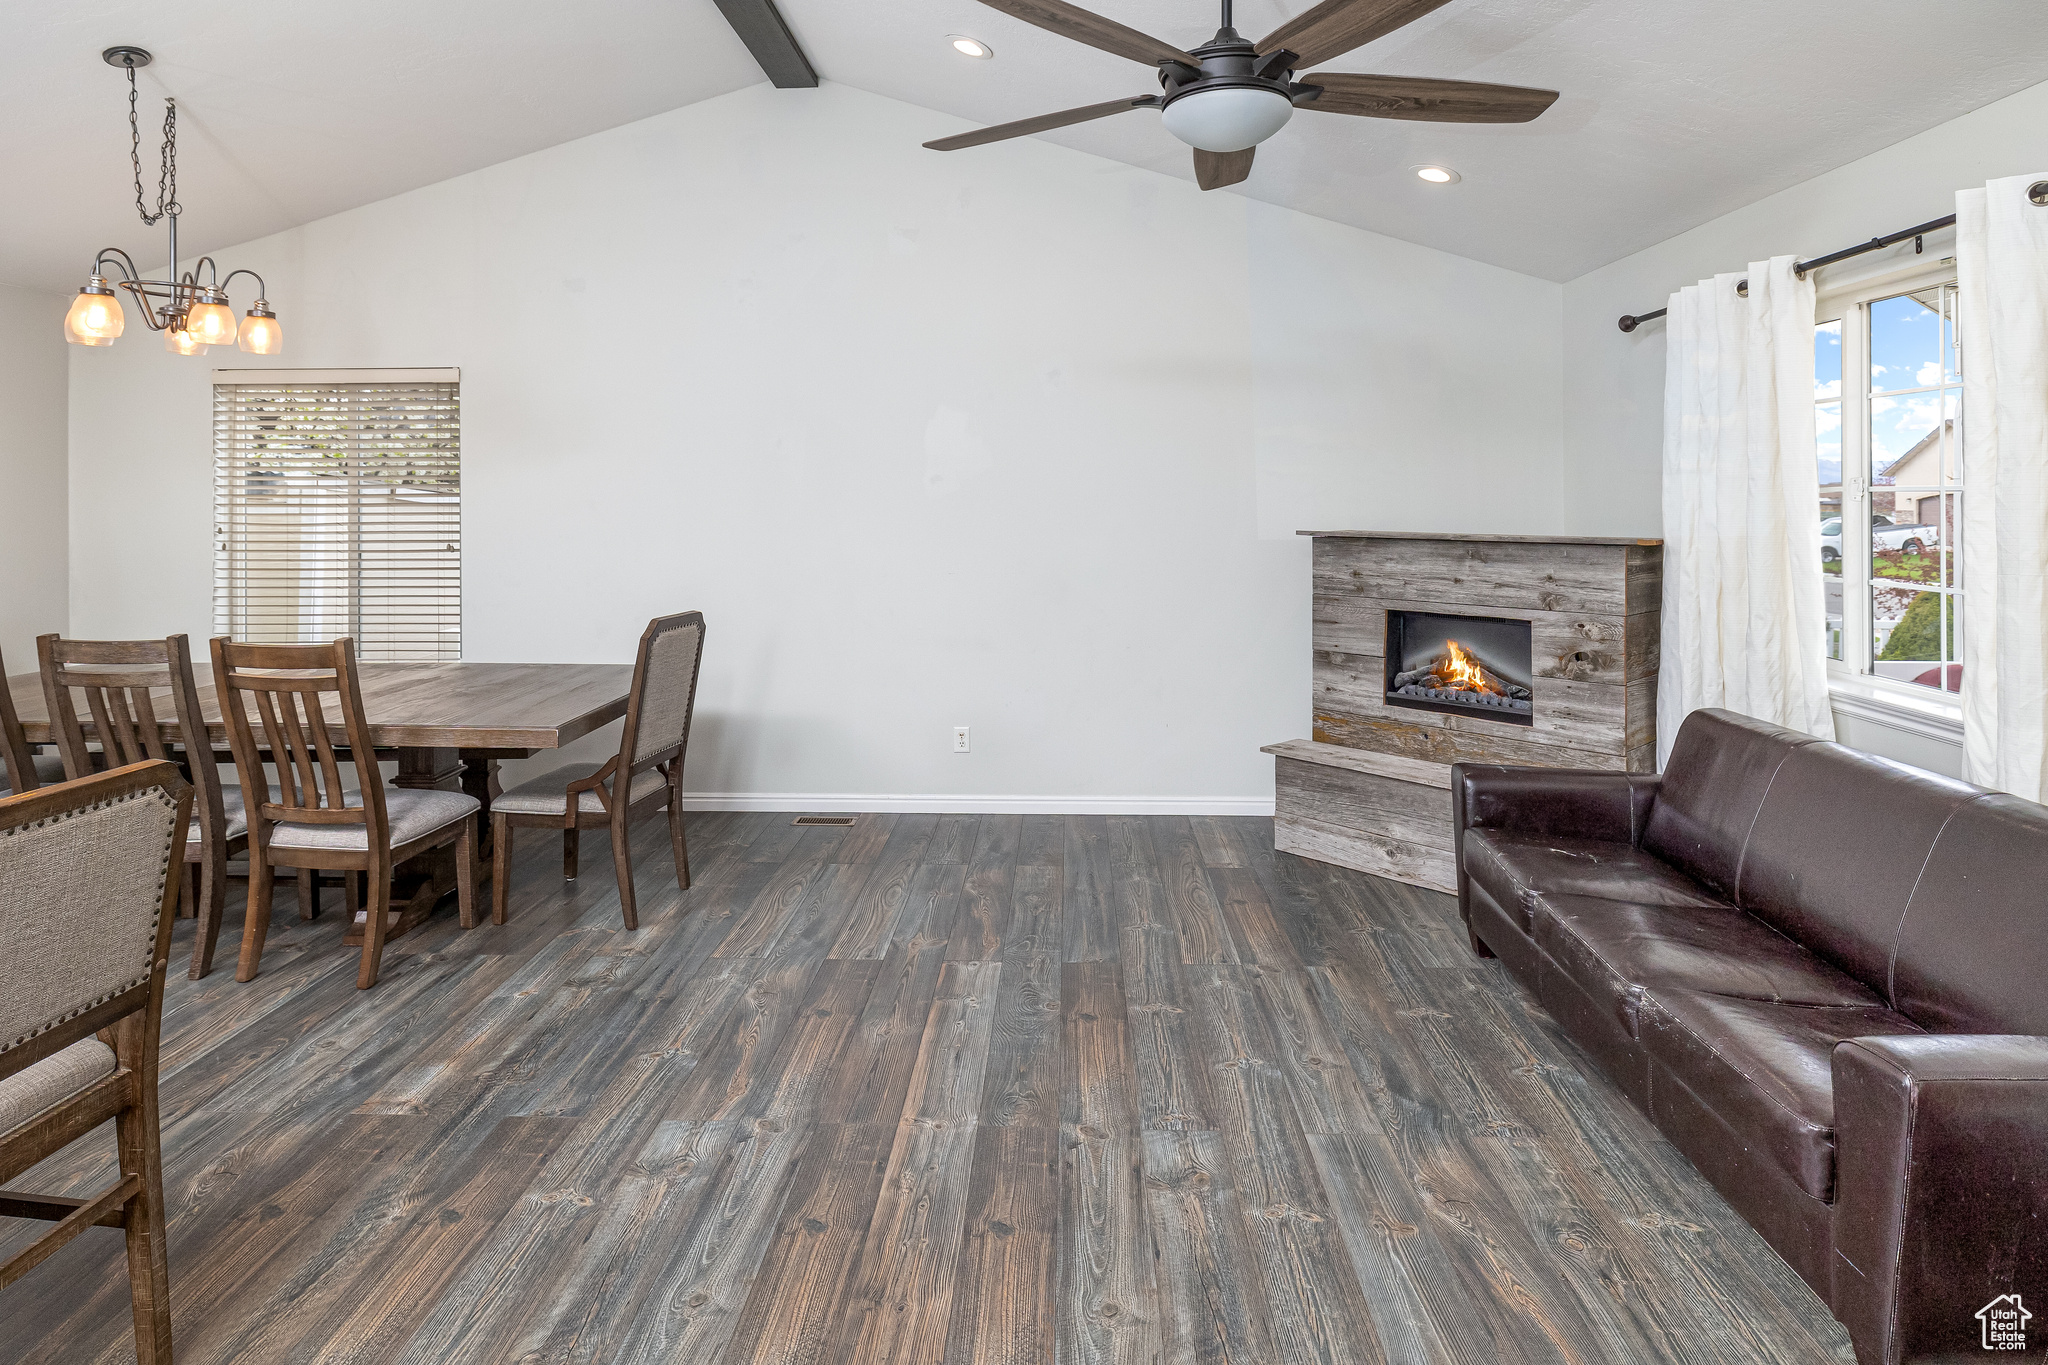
point(1930, 373)
point(1827, 419)
point(1878, 405)
point(1831, 389)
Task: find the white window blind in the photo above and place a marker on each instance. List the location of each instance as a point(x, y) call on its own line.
point(338, 509)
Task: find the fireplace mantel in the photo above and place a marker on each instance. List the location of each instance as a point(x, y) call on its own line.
point(1371, 789)
point(1501, 540)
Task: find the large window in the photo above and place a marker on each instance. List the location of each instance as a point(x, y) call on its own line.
point(338, 509)
point(1888, 417)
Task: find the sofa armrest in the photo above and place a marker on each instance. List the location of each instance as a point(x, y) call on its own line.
point(1941, 1192)
point(1560, 802)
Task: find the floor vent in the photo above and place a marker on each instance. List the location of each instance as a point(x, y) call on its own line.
point(824, 819)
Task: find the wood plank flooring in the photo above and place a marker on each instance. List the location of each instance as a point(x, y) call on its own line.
point(986, 1090)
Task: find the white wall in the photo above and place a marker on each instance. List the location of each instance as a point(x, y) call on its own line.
point(1013, 438)
point(34, 520)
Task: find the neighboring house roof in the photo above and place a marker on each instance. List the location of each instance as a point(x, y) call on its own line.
point(1925, 444)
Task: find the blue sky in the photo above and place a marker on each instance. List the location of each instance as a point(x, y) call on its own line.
point(1906, 352)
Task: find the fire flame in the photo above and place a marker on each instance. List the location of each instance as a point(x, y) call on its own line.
point(1463, 671)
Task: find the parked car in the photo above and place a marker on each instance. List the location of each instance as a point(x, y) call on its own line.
point(1885, 534)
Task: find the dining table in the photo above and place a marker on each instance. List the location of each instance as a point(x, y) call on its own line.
point(447, 723)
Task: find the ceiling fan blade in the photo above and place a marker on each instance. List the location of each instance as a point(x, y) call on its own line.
point(1071, 21)
point(1336, 26)
point(1025, 127)
point(1414, 97)
point(1214, 170)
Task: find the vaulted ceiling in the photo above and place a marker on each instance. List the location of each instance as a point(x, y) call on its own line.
point(1672, 113)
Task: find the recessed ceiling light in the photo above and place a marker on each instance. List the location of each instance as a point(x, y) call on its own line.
point(1438, 175)
point(970, 47)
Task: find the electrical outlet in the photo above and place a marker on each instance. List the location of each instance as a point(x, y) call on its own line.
point(959, 739)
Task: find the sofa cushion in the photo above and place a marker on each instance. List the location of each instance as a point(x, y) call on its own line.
point(1720, 770)
point(1839, 843)
point(1514, 868)
point(1615, 949)
point(1972, 952)
point(1766, 1069)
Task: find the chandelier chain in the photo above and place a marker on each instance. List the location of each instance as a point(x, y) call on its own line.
point(167, 174)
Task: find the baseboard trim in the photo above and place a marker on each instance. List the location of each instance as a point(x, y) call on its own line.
point(827, 802)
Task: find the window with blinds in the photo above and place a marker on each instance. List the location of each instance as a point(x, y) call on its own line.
point(338, 509)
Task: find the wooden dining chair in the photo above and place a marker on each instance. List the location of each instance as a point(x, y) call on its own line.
point(21, 769)
point(117, 681)
point(88, 885)
point(647, 770)
point(311, 824)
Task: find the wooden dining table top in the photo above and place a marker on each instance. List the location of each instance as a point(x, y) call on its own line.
point(430, 705)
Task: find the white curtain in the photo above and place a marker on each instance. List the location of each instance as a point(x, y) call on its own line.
point(1744, 621)
point(2002, 275)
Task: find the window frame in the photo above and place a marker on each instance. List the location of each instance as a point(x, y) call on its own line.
point(1855, 686)
point(371, 438)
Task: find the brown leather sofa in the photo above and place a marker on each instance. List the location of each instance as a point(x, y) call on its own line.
point(1823, 976)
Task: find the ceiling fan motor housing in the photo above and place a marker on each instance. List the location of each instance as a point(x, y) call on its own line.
point(1228, 104)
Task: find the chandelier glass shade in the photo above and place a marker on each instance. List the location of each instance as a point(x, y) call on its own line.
point(191, 308)
point(95, 318)
point(261, 334)
point(178, 341)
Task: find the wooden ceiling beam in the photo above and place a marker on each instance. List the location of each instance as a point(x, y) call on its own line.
point(761, 27)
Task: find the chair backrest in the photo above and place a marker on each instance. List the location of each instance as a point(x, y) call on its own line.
point(664, 692)
point(88, 887)
point(118, 681)
point(290, 698)
point(21, 770)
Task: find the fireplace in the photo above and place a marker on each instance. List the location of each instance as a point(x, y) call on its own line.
point(1462, 665)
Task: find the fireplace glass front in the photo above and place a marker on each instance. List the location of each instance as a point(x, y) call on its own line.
point(1463, 665)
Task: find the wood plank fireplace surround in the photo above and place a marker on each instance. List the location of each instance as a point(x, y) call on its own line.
point(1435, 649)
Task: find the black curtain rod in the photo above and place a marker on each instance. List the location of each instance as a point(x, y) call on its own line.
point(1629, 321)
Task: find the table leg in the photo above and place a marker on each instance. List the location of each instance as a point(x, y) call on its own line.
point(480, 779)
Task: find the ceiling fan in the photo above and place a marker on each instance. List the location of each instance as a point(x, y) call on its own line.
point(1229, 95)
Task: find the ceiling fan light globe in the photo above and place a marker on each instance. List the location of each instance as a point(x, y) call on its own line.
point(1228, 118)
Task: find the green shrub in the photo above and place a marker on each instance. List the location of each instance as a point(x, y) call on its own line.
point(1918, 634)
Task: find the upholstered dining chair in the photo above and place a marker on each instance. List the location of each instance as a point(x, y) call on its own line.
point(21, 770)
point(311, 824)
point(115, 679)
point(646, 771)
point(88, 884)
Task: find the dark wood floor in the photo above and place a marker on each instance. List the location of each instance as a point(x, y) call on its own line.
point(964, 1088)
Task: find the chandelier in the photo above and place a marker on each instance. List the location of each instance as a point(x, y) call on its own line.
point(191, 310)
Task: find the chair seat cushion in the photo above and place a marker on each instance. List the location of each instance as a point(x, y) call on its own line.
point(1765, 1069)
point(49, 768)
point(548, 794)
point(1514, 868)
point(1613, 950)
point(413, 814)
point(61, 1075)
point(234, 822)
